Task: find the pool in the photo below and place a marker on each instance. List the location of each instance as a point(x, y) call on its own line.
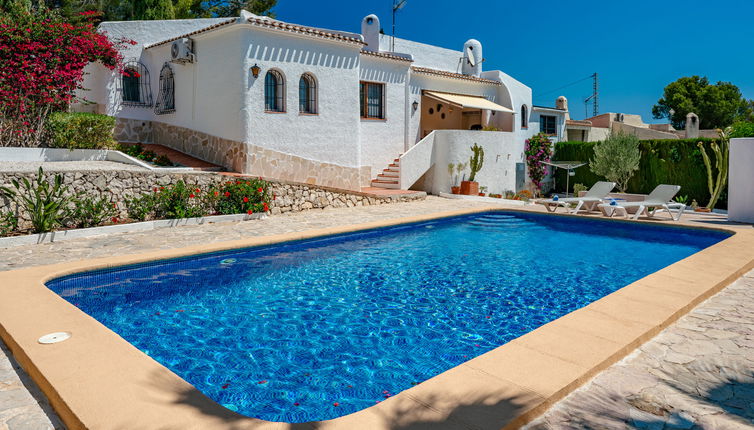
point(321, 328)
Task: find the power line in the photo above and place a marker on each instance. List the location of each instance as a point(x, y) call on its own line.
point(565, 86)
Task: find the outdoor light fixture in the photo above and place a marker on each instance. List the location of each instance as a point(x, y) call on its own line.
point(255, 69)
point(415, 105)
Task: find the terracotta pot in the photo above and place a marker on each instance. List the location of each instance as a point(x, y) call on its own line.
point(455, 190)
point(702, 210)
point(469, 188)
point(482, 194)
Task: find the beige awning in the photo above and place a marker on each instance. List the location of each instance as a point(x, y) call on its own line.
point(471, 102)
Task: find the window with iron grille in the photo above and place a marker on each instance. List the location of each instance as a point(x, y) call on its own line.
point(372, 100)
point(548, 124)
point(166, 96)
point(307, 94)
point(274, 92)
point(135, 87)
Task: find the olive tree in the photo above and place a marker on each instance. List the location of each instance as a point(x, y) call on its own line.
point(616, 158)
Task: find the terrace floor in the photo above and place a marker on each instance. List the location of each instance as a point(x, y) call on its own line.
point(699, 373)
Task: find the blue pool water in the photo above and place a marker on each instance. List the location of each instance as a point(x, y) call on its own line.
point(284, 332)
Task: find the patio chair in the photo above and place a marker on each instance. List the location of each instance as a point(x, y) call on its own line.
point(595, 195)
point(658, 200)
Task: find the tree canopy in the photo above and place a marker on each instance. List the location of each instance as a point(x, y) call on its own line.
point(137, 10)
point(718, 105)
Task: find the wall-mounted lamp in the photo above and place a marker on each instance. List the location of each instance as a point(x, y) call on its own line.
point(255, 69)
point(415, 105)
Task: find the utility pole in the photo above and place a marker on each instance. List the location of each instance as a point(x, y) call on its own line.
point(595, 96)
point(397, 5)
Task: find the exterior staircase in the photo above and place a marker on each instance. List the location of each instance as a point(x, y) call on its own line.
point(390, 177)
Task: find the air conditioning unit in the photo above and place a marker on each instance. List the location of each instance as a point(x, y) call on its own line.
point(182, 51)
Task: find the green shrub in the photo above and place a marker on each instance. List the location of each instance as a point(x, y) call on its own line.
point(663, 161)
point(8, 223)
point(142, 207)
point(179, 201)
point(742, 129)
point(577, 188)
point(163, 160)
point(91, 212)
point(616, 158)
point(45, 202)
point(80, 130)
point(248, 196)
point(132, 149)
point(147, 155)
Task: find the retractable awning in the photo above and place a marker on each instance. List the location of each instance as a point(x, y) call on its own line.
point(471, 102)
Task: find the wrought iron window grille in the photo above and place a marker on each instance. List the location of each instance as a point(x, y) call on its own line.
point(135, 87)
point(166, 97)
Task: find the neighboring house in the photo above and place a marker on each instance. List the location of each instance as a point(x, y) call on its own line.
point(597, 128)
point(264, 97)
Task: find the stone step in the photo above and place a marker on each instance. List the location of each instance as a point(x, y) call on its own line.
point(379, 183)
point(388, 174)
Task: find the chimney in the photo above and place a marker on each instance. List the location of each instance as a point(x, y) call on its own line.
point(692, 126)
point(472, 58)
point(562, 103)
point(370, 30)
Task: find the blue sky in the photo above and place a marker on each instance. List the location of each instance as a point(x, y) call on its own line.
point(546, 44)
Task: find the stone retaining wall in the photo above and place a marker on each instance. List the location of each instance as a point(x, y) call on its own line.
point(119, 185)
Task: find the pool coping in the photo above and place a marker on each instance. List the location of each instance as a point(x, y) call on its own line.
point(98, 380)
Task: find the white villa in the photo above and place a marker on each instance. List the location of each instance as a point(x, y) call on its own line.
point(284, 101)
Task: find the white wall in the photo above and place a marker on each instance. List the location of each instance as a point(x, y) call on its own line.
point(384, 140)
point(741, 180)
point(331, 136)
point(442, 147)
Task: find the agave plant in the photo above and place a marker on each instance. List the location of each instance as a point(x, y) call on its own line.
point(46, 203)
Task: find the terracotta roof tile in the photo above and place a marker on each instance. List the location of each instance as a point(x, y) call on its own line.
point(436, 72)
point(311, 31)
point(386, 55)
point(201, 30)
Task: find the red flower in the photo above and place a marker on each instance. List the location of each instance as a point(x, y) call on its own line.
point(216, 193)
point(266, 208)
point(245, 199)
point(162, 188)
point(155, 189)
point(115, 205)
point(191, 196)
point(274, 197)
point(114, 219)
point(198, 190)
point(260, 189)
point(227, 194)
point(250, 211)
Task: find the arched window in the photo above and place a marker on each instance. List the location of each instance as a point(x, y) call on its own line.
point(307, 94)
point(524, 117)
point(274, 92)
point(166, 96)
point(135, 85)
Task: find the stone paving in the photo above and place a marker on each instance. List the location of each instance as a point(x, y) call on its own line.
point(699, 373)
point(696, 374)
point(22, 405)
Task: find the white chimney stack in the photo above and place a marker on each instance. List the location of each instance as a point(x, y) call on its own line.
point(472, 58)
point(370, 30)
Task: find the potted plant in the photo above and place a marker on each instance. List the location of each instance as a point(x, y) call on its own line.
point(460, 167)
point(482, 191)
point(476, 161)
point(451, 170)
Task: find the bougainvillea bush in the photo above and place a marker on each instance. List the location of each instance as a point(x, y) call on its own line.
point(43, 60)
point(538, 150)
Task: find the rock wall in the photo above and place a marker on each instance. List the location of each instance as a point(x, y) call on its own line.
point(120, 185)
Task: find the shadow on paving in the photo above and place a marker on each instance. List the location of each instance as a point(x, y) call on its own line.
point(489, 411)
point(725, 405)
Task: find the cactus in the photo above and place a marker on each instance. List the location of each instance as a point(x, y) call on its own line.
point(451, 170)
point(721, 151)
point(476, 161)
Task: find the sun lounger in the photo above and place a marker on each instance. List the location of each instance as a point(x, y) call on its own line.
point(660, 199)
point(594, 196)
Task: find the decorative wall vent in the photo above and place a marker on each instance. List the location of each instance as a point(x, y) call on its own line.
point(135, 87)
point(166, 96)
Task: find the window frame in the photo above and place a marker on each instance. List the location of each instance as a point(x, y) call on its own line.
point(542, 126)
point(134, 81)
point(308, 105)
point(524, 117)
point(278, 89)
point(166, 95)
point(364, 100)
